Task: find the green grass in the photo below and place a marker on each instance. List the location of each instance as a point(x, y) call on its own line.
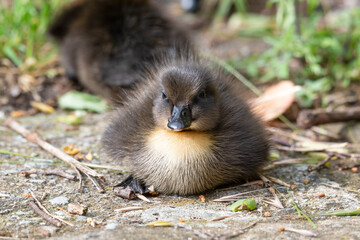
point(322, 44)
point(23, 25)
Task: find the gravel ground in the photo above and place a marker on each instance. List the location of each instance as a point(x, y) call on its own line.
point(189, 215)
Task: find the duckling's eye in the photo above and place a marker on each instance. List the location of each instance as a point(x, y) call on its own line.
point(164, 96)
point(202, 94)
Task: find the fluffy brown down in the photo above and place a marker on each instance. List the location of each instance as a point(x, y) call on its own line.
point(224, 143)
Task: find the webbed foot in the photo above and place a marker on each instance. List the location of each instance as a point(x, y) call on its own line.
point(130, 186)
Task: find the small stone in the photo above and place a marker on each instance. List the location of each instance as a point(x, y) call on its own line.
point(61, 200)
point(80, 219)
point(4, 234)
point(281, 229)
point(77, 209)
point(111, 226)
point(293, 187)
point(267, 214)
point(306, 181)
point(47, 231)
point(15, 91)
point(354, 169)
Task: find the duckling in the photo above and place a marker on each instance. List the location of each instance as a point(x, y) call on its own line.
point(187, 130)
point(105, 43)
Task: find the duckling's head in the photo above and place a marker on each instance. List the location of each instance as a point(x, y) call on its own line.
point(187, 99)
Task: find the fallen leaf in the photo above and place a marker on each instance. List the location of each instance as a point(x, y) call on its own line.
point(89, 156)
point(267, 214)
point(42, 107)
point(27, 82)
point(243, 204)
point(202, 198)
point(82, 101)
point(181, 220)
point(70, 119)
point(275, 100)
point(26, 195)
point(17, 113)
point(71, 149)
point(79, 156)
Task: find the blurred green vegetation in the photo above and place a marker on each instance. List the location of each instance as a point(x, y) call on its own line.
point(318, 48)
point(23, 25)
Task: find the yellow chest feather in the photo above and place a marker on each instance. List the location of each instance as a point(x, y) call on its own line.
point(179, 146)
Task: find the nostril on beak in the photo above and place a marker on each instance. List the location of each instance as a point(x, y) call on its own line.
point(185, 112)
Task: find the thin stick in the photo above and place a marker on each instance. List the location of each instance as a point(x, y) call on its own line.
point(265, 180)
point(68, 213)
point(129, 209)
point(289, 147)
point(45, 210)
point(320, 164)
point(309, 118)
point(80, 179)
point(142, 197)
point(284, 162)
point(224, 217)
point(230, 198)
point(278, 181)
point(60, 173)
point(306, 149)
point(44, 215)
point(92, 165)
point(97, 185)
point(35, 138)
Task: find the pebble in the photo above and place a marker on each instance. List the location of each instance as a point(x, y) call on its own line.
point(80, 218)
point(47, 231)
point(111, 226)
point(61, 200)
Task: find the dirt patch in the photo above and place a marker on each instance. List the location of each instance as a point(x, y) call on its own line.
point(18, 220)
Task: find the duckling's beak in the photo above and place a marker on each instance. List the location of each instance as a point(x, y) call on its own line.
point(180, 118)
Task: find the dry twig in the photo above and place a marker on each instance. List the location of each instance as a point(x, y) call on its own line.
point(235, 197)
point(35, 138)
point(129, 209)
point(47, 212)
point(308, 118)
point(301, 232)
point(320, 164)
point(284, 162)
point(275, 202)
point(224, 217)
point(60, 173)
point(43, 214)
